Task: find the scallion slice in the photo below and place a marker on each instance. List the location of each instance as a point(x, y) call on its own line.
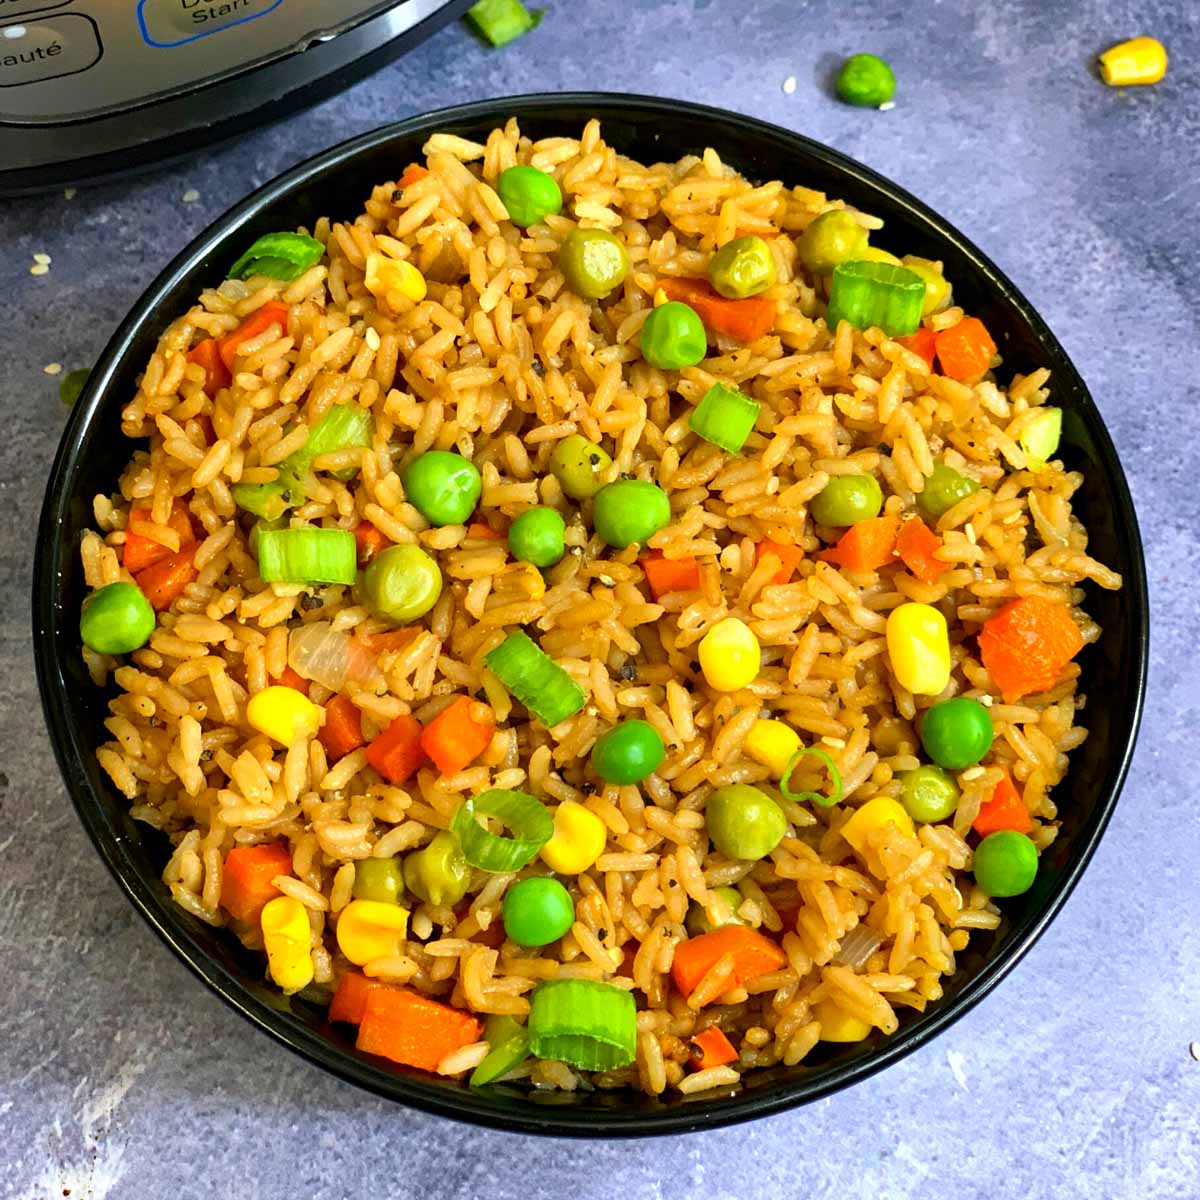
point(535, 679)
point(876, 293)
point(812, 797)
point(725, 417)
point(1041, 435)
point(500, 21)
point(525, 815)
point(509, 1042)
point(307, 556)
point(267, 500)
point(591, 1025)
point(283, 256)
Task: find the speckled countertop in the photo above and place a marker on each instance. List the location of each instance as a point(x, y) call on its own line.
point(121, 1079)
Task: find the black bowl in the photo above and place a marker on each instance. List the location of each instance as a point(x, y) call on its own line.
point(336, 183)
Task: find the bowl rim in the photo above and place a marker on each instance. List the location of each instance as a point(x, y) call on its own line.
point(159, 911)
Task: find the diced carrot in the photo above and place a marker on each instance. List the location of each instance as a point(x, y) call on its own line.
point(342, 732)
point(965, 351)
point(246, 878)
point(396, 753)
point(350, 999)
point(711, 1048)
point(670, 574)
point(412, 173)
point(411, 1029)
point(746, 320)
point(916, 543)
point(208, 355)
point(259, 321)
point(866, 545)
point(483, 532)
point(391, 639)
point(294, 680)
point(1004, 810)
point(1026, 645)
point(458, 735)
point(753, 955)
point(921, 343)
point(370, 542)
point(163, 581)
point(790, 557)
point(140, 551)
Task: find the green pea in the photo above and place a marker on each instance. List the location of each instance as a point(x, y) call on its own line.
point(698, 922)
point(866, 80)
point(529, 195)
point(673, 336)
point(744, 822)
point(1005, 863)
point(833, 238)
point(628, 752)
point(538, 911)
point(593, 262)
point(846, 500)
point(957, 733)
point(72, 385)
point(928, 793)
point(379, 879)
point(536, 536)
point(944, 489)
point(443, 487)
point(741, 268)
point(116, 619)
point(579, 466)
point(438, 874)
point(401, 583)
point(628, 511)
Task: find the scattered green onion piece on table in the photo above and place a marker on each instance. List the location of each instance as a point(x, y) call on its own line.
point(500, 21)
point(866, 81)
point(1041, 435)
point(307, 556)
point(283, 256)
point(874, 293)
point(72, 385)
point(525, 815)
point(535, 679)
point(509, 1042)
point(591, 1025)
point(812, 797)
point(724, 417)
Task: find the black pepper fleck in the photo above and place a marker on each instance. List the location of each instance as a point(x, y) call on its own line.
point(308, 601)
point(602, 934)
point(587, 787)
point(538, 368)
point(629, 672)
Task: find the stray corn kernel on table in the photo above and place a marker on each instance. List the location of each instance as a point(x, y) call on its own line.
point(120, 1077)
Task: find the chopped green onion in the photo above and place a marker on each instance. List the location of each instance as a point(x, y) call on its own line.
point(1041, 435)
point(267, 500)
point(307, 556)
point(257, 528)
point(876, 293)
point(725, 417)
point(591, 1025)
point(500, 21)
point(535, 679)
point(812, 797)
point(283, 256)
point(525, 815)
point(509, 1042)
point(72, 385)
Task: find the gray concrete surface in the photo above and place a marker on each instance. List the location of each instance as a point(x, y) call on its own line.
point(120, 1079)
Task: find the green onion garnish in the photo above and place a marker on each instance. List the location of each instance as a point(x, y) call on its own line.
point(876, 293)
point(500, 21)
point(535, 679)
point(509, 1042)
point(307, 556)
point(725, 417)
point(592, 1026)
point(1041, 435)
point(267, 500)
point(812, 797)
point(283, 256)
point(525, 815)
point(72, 385)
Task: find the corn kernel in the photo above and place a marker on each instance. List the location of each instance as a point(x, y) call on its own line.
point(578, 840)
point(1140, 60)
point(772, 743)
point(837, 1025)
point(394, 275)
point(283, 714)
point(874, 815)
point(874, 254)
point(285, 932)
point(937, 290)
point(660, 297)
point(919, 648)
point(729, 655)
point(371, 929)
